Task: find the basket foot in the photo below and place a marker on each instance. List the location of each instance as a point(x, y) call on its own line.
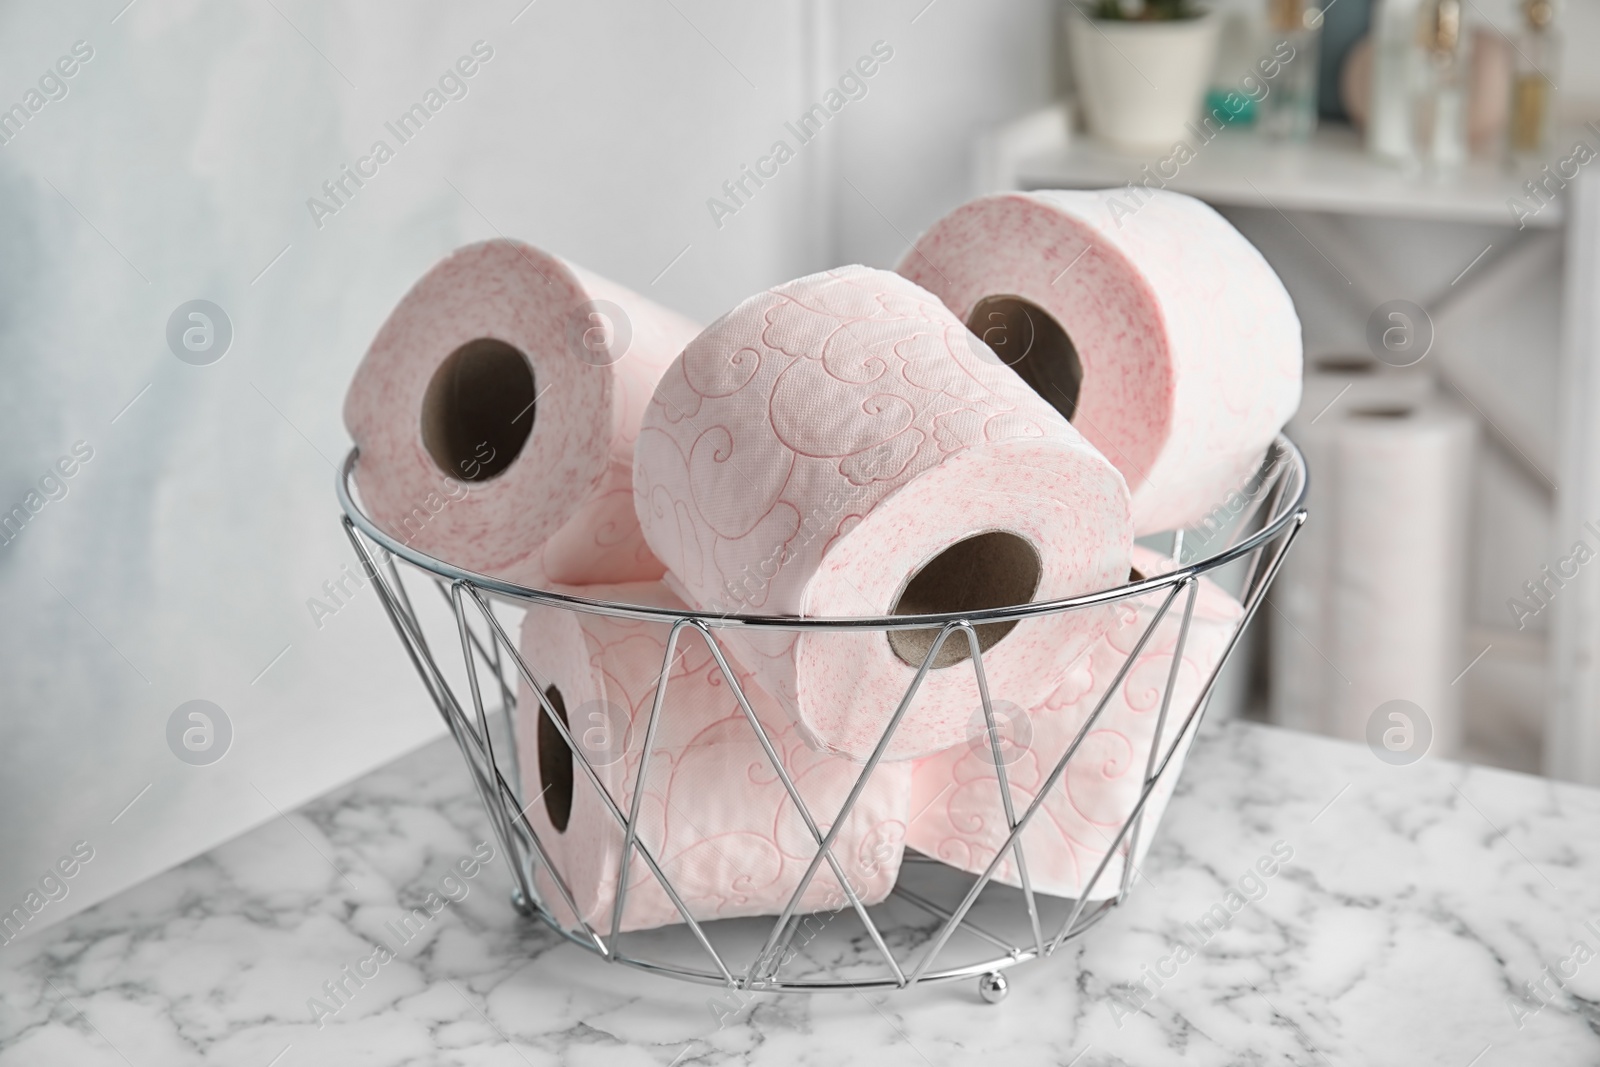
point(993, 987)
point(520, 902)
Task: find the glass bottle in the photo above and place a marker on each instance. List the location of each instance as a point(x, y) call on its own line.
point(1532, 82)
point(1289, 109)
point(1440, 100)
point(1394, 60)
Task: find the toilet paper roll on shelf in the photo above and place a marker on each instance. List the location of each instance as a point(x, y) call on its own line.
point(1334, 380)
point(957, 813)
point(842, 446)
point(1401, 477)
point(1300, 679)
point(713, 811)
point(1151, 324)
point(496, 411)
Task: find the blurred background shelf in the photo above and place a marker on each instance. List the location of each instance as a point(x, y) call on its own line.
point(1330, 173)
point(1517, 339)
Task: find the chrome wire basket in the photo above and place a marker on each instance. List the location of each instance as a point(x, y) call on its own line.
point(939, 922)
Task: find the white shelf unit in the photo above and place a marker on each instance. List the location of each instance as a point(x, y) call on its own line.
point(1329, 173)
point(1332, 175)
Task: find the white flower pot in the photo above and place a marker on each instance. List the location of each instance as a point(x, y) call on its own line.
point(1140, 82)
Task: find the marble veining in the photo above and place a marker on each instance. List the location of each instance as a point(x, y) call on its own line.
point(1430, 914)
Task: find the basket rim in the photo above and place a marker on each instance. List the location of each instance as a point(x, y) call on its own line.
point(1289, 512)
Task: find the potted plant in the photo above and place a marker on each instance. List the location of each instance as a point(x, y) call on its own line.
point(1142, 68)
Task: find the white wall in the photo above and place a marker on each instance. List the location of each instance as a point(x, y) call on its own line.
point(187, 547)
point(961, 68)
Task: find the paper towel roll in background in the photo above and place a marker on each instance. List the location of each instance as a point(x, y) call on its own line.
point(496, 413)
point(714, 813)
point(958, 816)
point(1151, 323)
point(1401, 482)
point(842, 445)
point(1300, 679)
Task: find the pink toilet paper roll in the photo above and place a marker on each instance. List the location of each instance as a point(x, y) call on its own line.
point(1149, 322)
point(496, 413)
point(957, 813)
point(714, 812)
point(841, 445)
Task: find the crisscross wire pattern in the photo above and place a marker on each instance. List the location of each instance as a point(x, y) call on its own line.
point(939, 923)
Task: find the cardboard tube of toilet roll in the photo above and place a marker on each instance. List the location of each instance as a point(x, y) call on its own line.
point(496, 412)
point(842, 445)
point(1148, 321)
point(959, 817)
point(714, 813)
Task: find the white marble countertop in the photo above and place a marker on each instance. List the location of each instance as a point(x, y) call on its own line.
point(1418, 904)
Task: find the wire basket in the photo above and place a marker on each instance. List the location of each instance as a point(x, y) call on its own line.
point(939, 923)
